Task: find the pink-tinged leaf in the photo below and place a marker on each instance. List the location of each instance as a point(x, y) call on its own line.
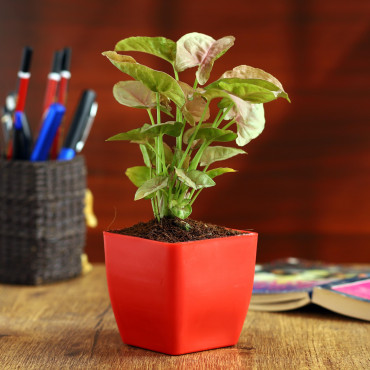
point(251, 73)
point(115, 57)
point(191, 49)
point(197, 49)
point(219, 48)
point(250, 119)
point(194, 105)
point(134, 94)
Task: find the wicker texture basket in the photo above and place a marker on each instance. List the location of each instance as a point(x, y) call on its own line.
point(42, 224)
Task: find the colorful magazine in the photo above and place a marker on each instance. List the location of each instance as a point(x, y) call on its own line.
point(349, 297)
point(289, 284)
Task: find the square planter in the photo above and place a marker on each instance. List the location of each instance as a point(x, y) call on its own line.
point(178, 298)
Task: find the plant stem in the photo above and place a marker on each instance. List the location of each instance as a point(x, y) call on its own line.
point(217, 117)
point(151, 117)
point(217, 123)
point(158, 107)
point(196, 159)
point(229, 124)
point(195, 197)
point(195, 83)
point(175, 72)
point(154, 207)
point(192, 137)
point(178, 113)
point(157, 142)
point(157, 155)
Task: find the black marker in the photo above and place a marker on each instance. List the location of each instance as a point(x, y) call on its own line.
point(82, 119)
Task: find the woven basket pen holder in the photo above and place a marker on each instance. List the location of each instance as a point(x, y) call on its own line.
point(42, 224)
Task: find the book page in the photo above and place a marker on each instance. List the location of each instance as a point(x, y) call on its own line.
point(359, 289)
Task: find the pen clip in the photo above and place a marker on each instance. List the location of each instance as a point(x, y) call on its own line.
point(81, 143)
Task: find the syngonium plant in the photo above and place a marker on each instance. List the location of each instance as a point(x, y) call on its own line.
point(174, 176)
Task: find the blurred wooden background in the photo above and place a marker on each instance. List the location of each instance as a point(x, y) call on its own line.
point(304, 185)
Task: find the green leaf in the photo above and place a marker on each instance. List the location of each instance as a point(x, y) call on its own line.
point(151, 186)
point(171, 128)
point(206, 132)
point(269, 86)
point(158, 46)
point(146, 132)
point(197, 49)
point(177, 158)
point(219, 171)
point(166, 111)
point(132, 135)
point(180, 210)
point(134, 94)
point(144, 152)
point(156, 81)
point(218, 153)
point(213, 93)
point(168, 155)
point(150, 152)
point(138, 175)
point(259, 77)
point(194, 179)
point(246, 89)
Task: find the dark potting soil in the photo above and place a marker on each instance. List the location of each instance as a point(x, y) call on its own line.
point(174, 230)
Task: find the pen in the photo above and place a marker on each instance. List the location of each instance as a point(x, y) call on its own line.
point(65, 76)
point(53, 79)
point(47, 133)
point(82, 120)
point(23, 78)
point(81, 143)
point(22, 140)
point(6, 135)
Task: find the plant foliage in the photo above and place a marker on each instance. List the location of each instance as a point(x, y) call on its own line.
point(173, 176)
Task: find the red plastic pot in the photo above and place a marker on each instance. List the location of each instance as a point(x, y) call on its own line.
point(178, 298)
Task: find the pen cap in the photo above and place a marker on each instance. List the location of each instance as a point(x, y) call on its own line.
point(80, 119)
point(66, 59)
point(57, 62)
point(26, 59)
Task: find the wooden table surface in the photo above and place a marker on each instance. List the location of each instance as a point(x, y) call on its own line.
point(71, 325)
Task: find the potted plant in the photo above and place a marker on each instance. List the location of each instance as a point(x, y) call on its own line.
point(175, 294)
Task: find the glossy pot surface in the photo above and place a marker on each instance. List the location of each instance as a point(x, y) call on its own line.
point(178, 298)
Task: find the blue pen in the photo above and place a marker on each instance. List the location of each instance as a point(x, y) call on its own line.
point(22, 139)
point(47, 133)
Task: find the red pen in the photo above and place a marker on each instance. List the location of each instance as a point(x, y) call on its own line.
point(65, 76)
point(23, 78)
point(52, 84)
